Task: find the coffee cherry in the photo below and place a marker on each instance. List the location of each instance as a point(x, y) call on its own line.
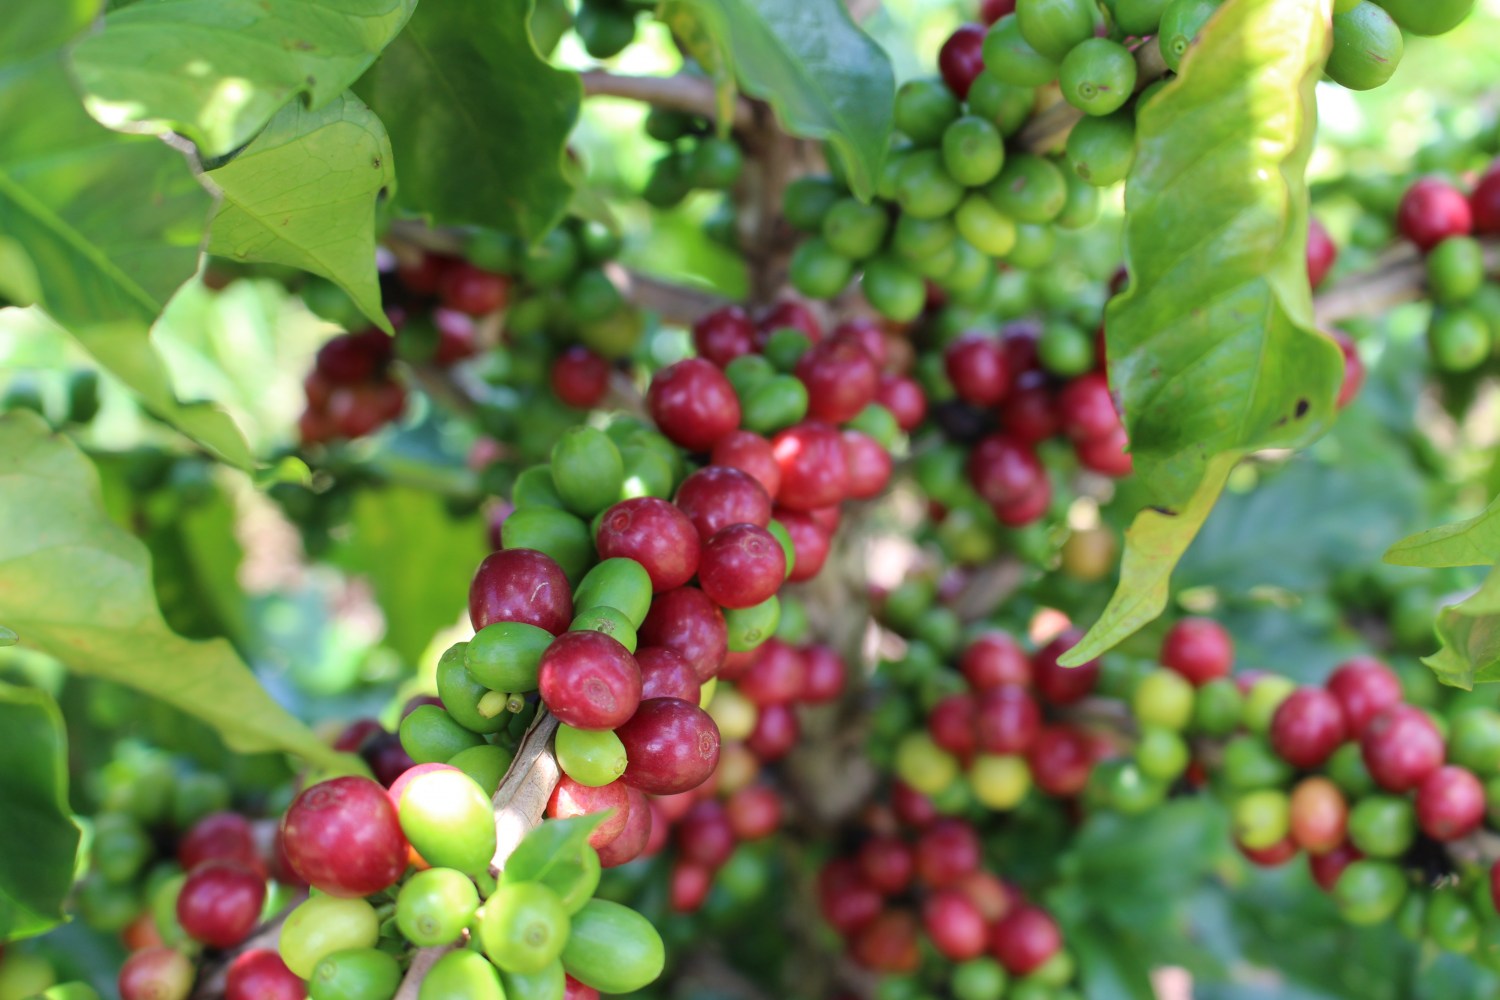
point(260, 974)
point(1319, 815)
point(570, 798)
point(689, 885)
point(955, 925)
point(951, 723)
point(672, 746)
point(1277, 854)
point(1432, 210)
point(220, 903)
point(1024, 939)
point(775, 733)
point(814, 468)
point(1401, 747)
point(870, 465)
point(1163, 698)
point(841, 380)
point(665, 673)
point(1003, 470)
point(435, 906)
point(993, 659)
point(723, 335)
point(1321, 252)
point(640, 825)
point(323, 925)
point(1370, 891)
point(960, 60)
point(156, 974)
point(888, 944)
point(715, 497)
point(688, 623)
point(704, 835)
point(1058, 684)
point(1354, 369)
point(580, 377)
point(1262, 819)
point(1107, 455)
point(1484, 203)
point(1198, 649)
point(754, 812)
point(342, 836)
point(1450, 803)
point(904, 398)
point(1006, 720)
point(741, 566)
point(777, 676)
point(823, 679)
point(521, 585)
point(1364, 687)
point(589, 680)
point(845, 899)
point(1382, 826)
point(1307, 727)
point(220, 836)
point(887, 864)
point(1327, 867)
point(653, 533)
point(976, 366)
point(523, 927)
point(946, 852)
point(693, 404)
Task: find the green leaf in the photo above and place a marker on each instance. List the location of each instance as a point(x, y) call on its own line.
point(218, 70)
point(1154, 543)
point(78, 587)
point(34, 27)
point(303, 194)
point(1212, 348)
point(1138, 870)
point(38, 840)
point(478, 120)
point(554, 846)
point(1470, 635)
point(8, 636)
point(1474, 542)
point(824, 77)
point(397, 536)
point(104, 228)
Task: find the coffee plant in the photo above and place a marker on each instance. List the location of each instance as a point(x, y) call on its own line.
point(906, 500)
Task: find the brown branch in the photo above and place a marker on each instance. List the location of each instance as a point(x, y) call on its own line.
point(677, 305)
point(1048, 128)
point(1398, 276)
point(682, 92)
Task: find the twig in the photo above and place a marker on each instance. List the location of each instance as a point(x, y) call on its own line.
point(421, 964)
point(677, 305)
point(1398, 276)
point(1051, 126)
point(682, 92)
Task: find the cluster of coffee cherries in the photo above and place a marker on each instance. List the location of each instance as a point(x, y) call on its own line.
point(606, 27)
point(352, 390)
point(951, 199)
point(913, 899)
point(1445, 224)
point(695, 158)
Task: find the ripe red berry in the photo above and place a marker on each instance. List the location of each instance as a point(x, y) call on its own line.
point(355, 358)
point(754, 812)
point(752, 454)
point(867, 333)
point(693, 404)
point(156, 973)
point(1085, 408)
point(260, 974)
point(991, 11)
point(1007, 719)
point(1028, 415)
point(1199, 649)
point(952, 724)
point(688, 885)
point(1024, 939)
point(665, 673)
point(814, 469)
point(723, 335)
point(220, 903)
point(841, 379)
point(342, 836)
point(1484, 203)
point(992, 659)
point(845, 899)
point(466, 288)
point(1058, 684)
point(221, 836)
point(1321, 252)
point(671, 746)
point(955, 925)
point(1061, 760)
point(777, 676)
point(1026, 508)
point(1432, 210)
point(574, 990)
point(1365, 687)
point(632, 841)
point(705, 835)
point(904, 398)
point(961, 59)
point(1004, 470)
point(946, 852)
point(741, 566)
point(1278, 853)
point(1319, 815)
point(521, 585)
point(589, 680)
point(1450, 803)
point(912, 807)
point(975, 364)
point(823, 680)
point(653, 533)
point(870, 465)
point(580, 377)
point(717, 496)
point(1401, 747)
point(571, 799)
point(687, 622)
point(1107, 454)
point(775, 733)
point(794, 314)
point(888, 944)
point(1308, 727)
point(1327, 867)
point(810, 543)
